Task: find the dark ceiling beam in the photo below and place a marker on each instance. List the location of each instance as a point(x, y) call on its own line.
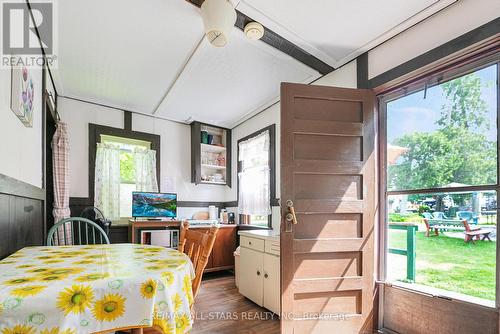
point(282, 44)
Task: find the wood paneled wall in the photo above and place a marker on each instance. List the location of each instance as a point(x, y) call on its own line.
point(414, 313)
point(21, 223)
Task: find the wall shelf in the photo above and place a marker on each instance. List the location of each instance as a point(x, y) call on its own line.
point(210, 154)
point(212, 148)
point(212, 167)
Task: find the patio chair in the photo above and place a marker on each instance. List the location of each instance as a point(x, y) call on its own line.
point(440, 215)
point(427, 215)
point(477, 233)
point(471, 217)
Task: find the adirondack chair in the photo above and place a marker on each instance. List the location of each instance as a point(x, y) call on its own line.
point(477, 233)
point(471, 217)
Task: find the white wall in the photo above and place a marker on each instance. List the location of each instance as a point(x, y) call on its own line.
point(176, 159)
point(452, 22)
point(78, 115)
point(175, 149)
point(21, 147)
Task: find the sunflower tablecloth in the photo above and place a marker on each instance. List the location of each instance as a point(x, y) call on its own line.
point(87, 289)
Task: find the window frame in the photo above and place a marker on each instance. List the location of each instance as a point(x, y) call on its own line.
point(431, 79)
point(95, 133)
point(272, 175)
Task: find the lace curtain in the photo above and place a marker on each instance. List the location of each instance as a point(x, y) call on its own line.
point(145, 170)
point(107, 180)
point(254, 189)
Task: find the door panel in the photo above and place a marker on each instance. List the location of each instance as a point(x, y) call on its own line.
point(328, 172)
point(272, 294)
point(251, 275)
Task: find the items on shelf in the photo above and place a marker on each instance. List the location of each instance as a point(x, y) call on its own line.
point(211, 164)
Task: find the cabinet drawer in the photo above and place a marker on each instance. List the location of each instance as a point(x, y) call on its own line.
point(272, 247)
point(252, 243)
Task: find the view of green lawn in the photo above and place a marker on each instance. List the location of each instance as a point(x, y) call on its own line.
point(450, 264)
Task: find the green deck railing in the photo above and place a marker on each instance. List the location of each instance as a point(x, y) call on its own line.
point(410, 251)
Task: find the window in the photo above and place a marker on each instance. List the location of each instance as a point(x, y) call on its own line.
point(133, 158)
point(441, 171)
point(256, 178)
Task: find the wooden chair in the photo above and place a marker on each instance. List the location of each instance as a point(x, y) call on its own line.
point(82, 231)
point(477, 233)
point(197, 246)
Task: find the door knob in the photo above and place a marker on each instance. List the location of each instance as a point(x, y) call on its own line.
point(290, 216)
point(258, 273)
point(266, 275)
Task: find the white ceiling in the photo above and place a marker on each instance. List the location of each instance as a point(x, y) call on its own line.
point(337, 31)
point(223, 85)
point(150, 56)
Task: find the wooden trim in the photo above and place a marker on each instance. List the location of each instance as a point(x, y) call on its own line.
point(127, 120)
point(362, 71)
point(278, 42)
point(441, 190)
point(272, 165)
point(382, 205)
point(41, 47)
point(12, 186)
point(86, 201)
point(195, 204)
point(469, 39)
point(95, 132)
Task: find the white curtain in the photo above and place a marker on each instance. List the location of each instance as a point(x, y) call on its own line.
point(107, 180)
point(145, 170)
point(254, 189)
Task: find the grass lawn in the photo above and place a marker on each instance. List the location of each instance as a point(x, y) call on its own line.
point(450, 264)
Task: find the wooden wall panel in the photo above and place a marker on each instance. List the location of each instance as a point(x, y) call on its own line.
point(21, 223)
point(414, 313)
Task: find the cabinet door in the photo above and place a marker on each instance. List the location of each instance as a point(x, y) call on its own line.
point(224, 246)
point(251, 275)
point(272, 283)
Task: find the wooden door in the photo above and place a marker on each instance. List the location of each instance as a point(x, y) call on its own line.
point(328, 172)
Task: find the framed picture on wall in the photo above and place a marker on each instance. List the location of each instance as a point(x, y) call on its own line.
point(22, 95)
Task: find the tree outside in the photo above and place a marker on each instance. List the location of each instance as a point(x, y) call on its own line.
point(457, 151)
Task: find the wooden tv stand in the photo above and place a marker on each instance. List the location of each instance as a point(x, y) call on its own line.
point(135, 225)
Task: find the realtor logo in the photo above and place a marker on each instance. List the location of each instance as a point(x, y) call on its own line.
point(21, 29)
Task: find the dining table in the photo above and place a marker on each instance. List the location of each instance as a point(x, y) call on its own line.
point(95, 289)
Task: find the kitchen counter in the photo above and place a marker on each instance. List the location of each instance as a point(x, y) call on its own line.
point(261, 234)
point(210, 225)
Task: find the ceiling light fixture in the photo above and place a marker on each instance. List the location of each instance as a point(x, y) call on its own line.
point(218, 17)
point(254, 30)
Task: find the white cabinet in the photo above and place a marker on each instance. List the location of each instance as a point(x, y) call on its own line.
point(272, 294)
point(251, 273)
point(259, 277)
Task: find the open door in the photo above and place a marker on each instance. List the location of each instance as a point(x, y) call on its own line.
point(328, 200)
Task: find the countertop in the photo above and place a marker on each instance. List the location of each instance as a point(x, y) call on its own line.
point(261, 234)
point(210, 225)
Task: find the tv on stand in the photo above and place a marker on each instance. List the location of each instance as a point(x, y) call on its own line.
point(154, 206)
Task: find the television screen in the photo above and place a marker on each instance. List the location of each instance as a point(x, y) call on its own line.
point(154, 205)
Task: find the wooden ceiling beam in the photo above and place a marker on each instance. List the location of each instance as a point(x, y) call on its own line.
point(278, 42)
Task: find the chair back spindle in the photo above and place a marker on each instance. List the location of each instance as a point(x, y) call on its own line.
point(198, 246)
point(81, 227)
